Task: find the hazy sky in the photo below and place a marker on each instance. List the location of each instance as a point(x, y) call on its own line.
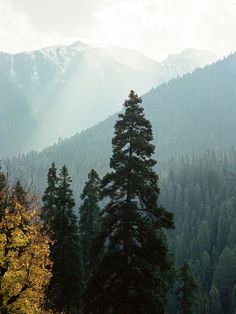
point(156, 27)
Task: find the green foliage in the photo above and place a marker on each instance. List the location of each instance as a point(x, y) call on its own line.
point(205, 230)
point(187, 293)
point(233, 300)
point(50, 199)
point(65, 286)
point(132, 276)
point(216, 307)
point(89, 223)
point(224, 277)
point(3, 184)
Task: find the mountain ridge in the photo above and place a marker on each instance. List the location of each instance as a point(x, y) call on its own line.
point(71, 88)
point(193, 113)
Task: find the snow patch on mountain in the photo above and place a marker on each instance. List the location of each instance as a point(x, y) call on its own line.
point(71, 88)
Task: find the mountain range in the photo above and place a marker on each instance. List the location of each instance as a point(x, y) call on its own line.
point(193, 113)
point(57, 91)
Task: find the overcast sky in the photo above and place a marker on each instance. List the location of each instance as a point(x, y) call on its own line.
point(156, 27)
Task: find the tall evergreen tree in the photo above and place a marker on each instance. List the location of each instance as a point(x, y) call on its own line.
point(132, 274)
point(64, 289)
point(89, 219)
point(187, 293)
point(50, 199)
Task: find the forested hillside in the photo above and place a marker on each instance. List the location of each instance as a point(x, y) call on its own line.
point(201, 192)
point(195, 112)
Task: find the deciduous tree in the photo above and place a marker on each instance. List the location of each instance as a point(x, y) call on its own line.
point(25, 267)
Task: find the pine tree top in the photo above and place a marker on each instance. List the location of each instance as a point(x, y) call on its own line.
point(92, 186)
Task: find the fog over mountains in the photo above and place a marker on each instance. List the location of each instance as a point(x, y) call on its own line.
point(189, 114)
point(58, 91)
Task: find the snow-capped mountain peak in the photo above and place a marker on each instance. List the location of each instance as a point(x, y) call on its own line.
point(70, 88)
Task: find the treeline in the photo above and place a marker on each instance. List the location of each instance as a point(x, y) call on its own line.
point(201, 191)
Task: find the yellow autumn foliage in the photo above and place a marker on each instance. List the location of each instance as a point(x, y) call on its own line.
point(25, 267)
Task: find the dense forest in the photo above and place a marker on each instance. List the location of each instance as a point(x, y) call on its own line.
point(103, 260)
point(201, 192)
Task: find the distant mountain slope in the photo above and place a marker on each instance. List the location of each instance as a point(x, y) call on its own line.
point(195, 112)
point(186, 58)
point(16, 118)
point(70, 88)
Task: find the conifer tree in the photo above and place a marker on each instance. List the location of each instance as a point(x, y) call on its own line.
point(2, 187)
point(89, 219)
point(20, 194)
point(216, 307)
point(187, 293)
point(233, 300)
point(64, 289)
point(132, 275)
point(50, 199)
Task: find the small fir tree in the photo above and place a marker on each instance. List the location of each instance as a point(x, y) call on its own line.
point(233, 300)
point(187, 293)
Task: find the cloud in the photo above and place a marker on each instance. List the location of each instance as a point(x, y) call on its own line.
point(13, 26)
point(156, 27)
point(27, 24)
point(16, 32)
point(165, 26)
point(67, 17)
